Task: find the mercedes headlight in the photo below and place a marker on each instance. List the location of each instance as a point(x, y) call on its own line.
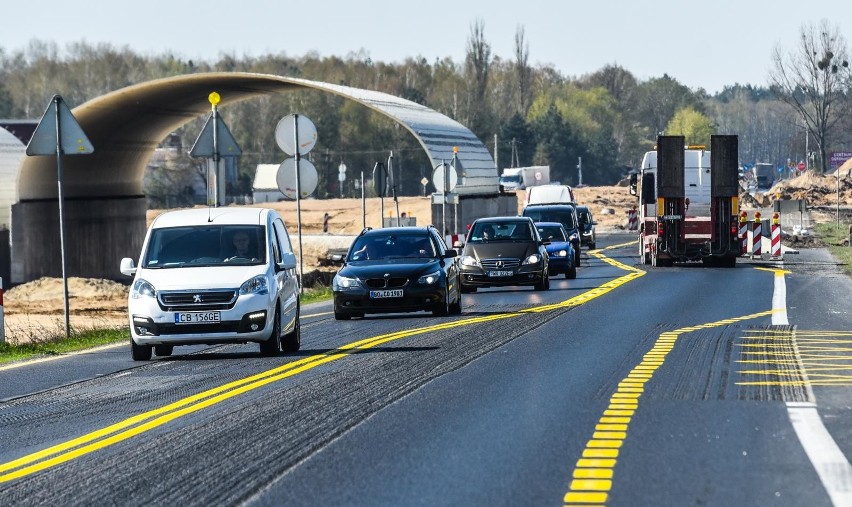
point(467, 260)
point(256, 285)
point(533, 259)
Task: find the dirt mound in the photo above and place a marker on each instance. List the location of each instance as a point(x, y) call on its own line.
point(817, 189)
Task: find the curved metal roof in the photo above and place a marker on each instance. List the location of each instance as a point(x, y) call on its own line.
point(125, 127)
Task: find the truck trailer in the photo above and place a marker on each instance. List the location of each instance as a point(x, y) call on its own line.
point(519, 178)
point(688, 202)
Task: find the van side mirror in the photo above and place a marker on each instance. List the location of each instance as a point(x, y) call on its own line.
point(128, 267)
point(634, 178)
point(288, 260)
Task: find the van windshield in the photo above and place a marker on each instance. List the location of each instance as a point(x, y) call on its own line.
point(208, 245)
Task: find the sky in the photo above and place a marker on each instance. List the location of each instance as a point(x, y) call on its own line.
point(709, 45)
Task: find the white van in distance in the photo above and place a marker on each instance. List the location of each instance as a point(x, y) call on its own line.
point(212, 276)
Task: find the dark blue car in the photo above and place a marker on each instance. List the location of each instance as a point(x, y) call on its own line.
point(560, 250)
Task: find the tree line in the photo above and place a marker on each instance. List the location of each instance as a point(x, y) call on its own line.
point(534, 114)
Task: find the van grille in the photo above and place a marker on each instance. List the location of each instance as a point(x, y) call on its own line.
point(219, 299)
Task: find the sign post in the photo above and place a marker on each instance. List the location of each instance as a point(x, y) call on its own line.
point(58, 133)
point(287, 131)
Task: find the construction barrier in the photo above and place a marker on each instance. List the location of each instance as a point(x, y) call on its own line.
point(2, 317)
point(743, 233)
point(756, 236)
point(632, 219)
point(776, 237)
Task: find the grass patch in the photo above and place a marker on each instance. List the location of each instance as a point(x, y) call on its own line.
point(56, 343)
point(833, 236)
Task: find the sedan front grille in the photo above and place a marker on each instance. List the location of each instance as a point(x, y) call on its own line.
point(500, 263)
point(386, 283)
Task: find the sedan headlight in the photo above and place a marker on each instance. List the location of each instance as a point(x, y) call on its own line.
point(467, 260)
point(430, 278)
point(560, 253)
point(343, 283)
point(143, 289)
point(533, 259)
point(257, 285)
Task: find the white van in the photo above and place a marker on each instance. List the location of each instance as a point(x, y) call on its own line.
point(549, 194)
point(211, 276)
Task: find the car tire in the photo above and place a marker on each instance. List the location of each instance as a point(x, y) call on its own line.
point(544, 284)
point(577, 257)
point(592, 245)
point(292, 341)
point(272, 345)
point(456, 308)
point(443, 309)
point(163, 350)
point(571, 274)
point(140, 352)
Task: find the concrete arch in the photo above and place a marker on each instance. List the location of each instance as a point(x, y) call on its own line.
point(104, 201)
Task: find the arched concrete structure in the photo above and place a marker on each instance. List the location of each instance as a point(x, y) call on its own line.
point(104, 202)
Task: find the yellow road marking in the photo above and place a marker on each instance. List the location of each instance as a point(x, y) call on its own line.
point(140, 423)
point(587, 487)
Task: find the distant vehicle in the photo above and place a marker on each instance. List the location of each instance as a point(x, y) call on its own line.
point(764, 176)
point(560, 251)
point(397, 269)
point(549, 194)
point(520, 178)
point(587, 227)
point(688, 202)
point(565, 214)
point(218, 275)
point(503, 251)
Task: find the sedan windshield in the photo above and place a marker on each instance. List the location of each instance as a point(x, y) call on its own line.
point(551, 233)
point(392, 246)
point(500, 231)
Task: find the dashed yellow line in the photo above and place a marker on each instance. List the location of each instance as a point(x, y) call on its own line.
point(594, 471)
point(132, 426)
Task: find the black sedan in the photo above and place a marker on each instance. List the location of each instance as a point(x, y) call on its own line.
point(397, 269)
point(502, 251)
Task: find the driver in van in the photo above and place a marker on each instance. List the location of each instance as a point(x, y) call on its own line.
point(242, 246)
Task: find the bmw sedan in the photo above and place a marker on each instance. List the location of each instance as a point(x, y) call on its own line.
point(501, 251)
point(397, 269)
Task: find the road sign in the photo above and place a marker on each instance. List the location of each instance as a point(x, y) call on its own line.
point(226, 145)
point(341, 177)
point(285, 134)
point(438, 178)
point(801, 166)
point(286, 178)
point(73, 140)
point(380, 179)
point(424, 181)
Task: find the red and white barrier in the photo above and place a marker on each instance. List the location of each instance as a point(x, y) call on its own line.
point(450, 239)
point(756, 236)
point(632, 219)
point(776, 237)
point(743, 232)
point(2, 317)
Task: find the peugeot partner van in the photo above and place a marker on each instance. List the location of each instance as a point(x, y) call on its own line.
point(212, 276)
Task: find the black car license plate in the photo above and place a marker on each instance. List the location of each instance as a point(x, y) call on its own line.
point(390, 293)
point(501, 272)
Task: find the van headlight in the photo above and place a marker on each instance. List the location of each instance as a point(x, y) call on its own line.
point(143, 289)
point(256, 285)
point(430, 278)
point(467, 260)
point(533, 259)
point(344, 282)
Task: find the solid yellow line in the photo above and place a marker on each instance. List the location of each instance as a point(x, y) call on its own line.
point(146, 421)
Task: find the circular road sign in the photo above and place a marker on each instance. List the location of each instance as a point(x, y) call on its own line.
point(286, 177)
point(801, 166)
point(438, 178)
point(285, 134)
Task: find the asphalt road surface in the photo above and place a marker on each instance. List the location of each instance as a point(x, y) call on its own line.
point(630, 385)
